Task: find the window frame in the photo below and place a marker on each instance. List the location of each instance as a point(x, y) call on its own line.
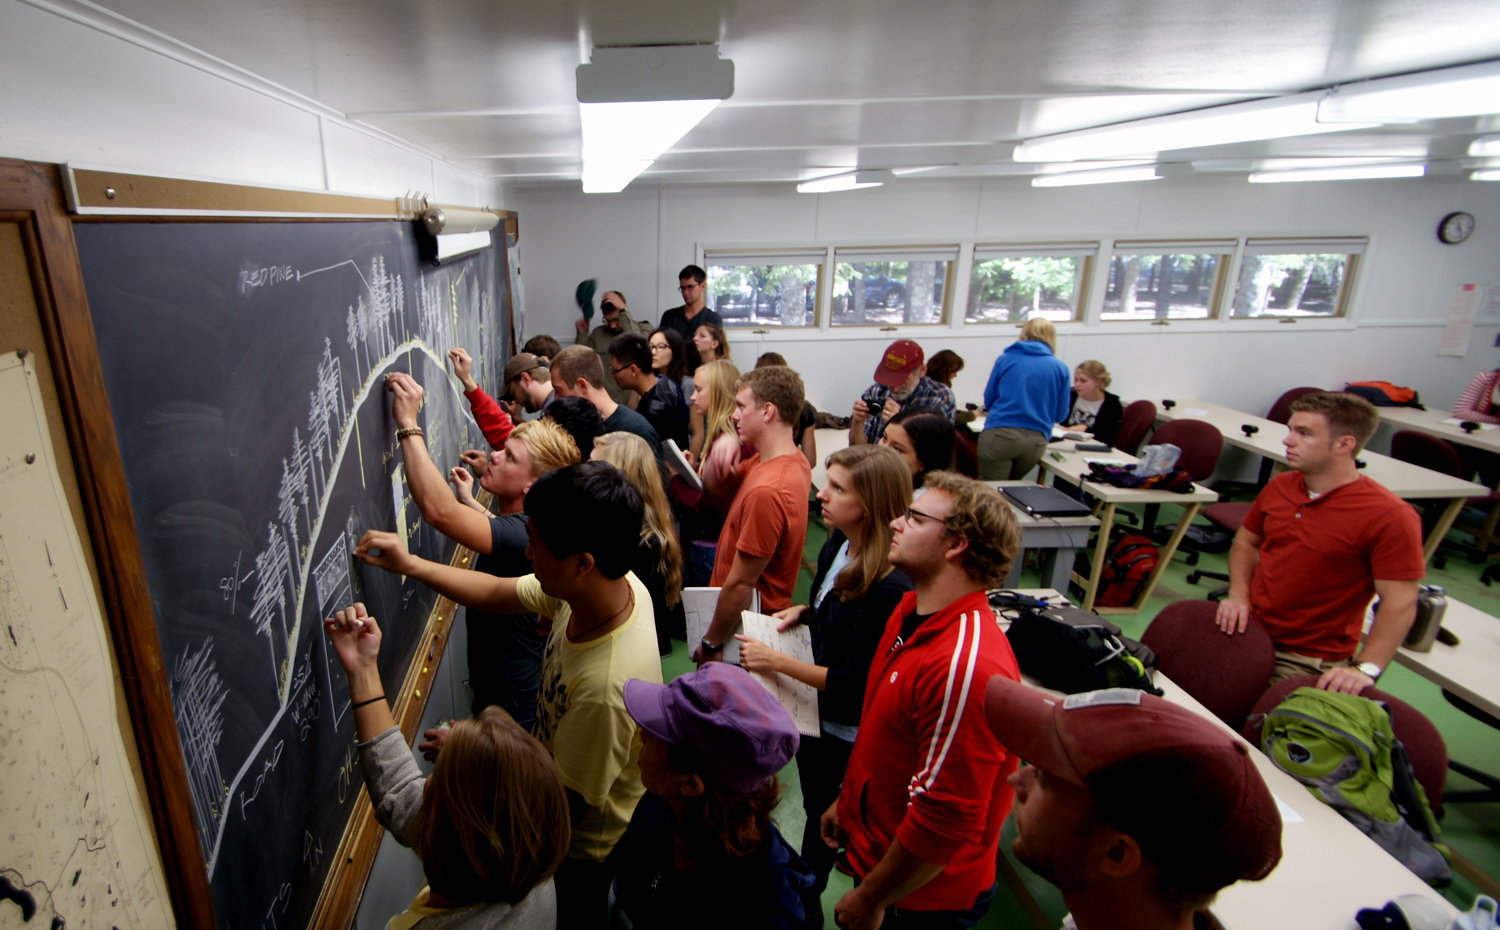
point(817, 256)
point(908, 252)
point(1227, 248)
point(1088, 251)
point(1354, 248)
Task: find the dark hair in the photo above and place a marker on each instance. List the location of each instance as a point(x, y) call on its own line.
point(542, 346)
point(621, 305)
point(771, 358)
point(721, 823)
point(631, 349)
point(694, 272)
point(588, 507)
point(580, 418)
point(679, 367)
point(777, 385)
point(944, 365)
point(932, 437)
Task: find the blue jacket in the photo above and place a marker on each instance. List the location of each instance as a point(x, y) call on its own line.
point(1028, 388)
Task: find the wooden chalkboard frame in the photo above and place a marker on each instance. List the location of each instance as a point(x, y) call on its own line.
point(33, 196)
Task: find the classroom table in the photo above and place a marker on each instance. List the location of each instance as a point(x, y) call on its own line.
point(1430, 422)
point(1403, 479)
point(1057, 537)
point(1328, 870)
point(1062, 461)
point(1468, 669)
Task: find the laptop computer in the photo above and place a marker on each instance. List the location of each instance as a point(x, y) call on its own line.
point(1042, 501)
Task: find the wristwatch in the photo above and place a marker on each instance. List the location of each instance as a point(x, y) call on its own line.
point(1371, 669)
point(709, 647)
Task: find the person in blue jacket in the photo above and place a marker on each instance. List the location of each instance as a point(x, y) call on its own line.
point(1027, 393)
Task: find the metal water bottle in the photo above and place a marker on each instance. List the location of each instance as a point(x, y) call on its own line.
point(1432, 603)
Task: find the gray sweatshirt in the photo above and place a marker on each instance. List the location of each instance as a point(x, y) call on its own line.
point(395, 785)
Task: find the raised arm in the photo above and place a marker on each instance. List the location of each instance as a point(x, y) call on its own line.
point(469, 588)
point(439, 507)
point(493, 422)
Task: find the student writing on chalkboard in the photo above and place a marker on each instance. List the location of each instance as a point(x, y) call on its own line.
point(490, 824)
point(505, 650)
point(493, 422)
point(584, 527)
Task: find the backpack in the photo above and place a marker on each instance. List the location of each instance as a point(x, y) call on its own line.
point(1128, 562)
point(1342, 748)
point(1072, 650)
point(1384, 394)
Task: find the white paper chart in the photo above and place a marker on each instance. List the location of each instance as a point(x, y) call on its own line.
point(698, 604)
point(799, 698)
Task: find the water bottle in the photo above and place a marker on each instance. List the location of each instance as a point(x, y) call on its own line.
point(1432, 603)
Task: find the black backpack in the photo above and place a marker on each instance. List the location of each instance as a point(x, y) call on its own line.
point(1072, 650)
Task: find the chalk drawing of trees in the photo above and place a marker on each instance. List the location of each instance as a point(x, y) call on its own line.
point(197, 698)
point(273, 583)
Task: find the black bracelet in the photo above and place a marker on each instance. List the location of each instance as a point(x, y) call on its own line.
point(370, 701)
point(710, 647)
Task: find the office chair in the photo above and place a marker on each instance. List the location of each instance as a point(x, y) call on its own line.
point(1200, 443)
point(1491, 789)
point(1226, 674)
point(1438, 455)
point(1135, 423)
point(1281, 412)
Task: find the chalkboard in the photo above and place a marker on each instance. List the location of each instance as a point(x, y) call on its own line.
point(244, 366)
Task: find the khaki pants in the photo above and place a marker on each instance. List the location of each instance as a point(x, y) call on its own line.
point(1292, 664)
point(1009, 452)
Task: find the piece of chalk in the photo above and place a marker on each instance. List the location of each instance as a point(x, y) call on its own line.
point(375, 553)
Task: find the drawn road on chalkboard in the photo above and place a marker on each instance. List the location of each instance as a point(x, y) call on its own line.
point(375, 380)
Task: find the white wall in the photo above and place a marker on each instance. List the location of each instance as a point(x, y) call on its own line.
point(79, 85)
point(637, 240)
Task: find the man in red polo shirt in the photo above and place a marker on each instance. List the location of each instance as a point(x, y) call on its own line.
point(1320, 541)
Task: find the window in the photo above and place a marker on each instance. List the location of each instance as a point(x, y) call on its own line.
point(1012, 284)
point(1295, 277)
point(765, 288)
point(1166, 280)
point(891, 286)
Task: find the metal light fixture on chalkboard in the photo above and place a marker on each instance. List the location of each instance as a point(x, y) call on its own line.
point(452, 232)
point(636, 102)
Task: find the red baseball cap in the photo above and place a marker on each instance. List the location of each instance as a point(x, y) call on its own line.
point(901, 358)
point(1173, 779)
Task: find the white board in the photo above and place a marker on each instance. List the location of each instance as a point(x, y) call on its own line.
point(77, 835)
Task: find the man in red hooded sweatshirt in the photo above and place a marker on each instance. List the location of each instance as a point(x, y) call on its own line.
point(925, 791)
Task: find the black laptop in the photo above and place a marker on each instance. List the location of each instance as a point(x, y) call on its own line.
point(1042, 501)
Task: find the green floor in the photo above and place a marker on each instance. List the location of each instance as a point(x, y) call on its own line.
point(1473, 830)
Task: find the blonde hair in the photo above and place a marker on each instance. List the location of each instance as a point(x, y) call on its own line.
point(494, 818)
point(1040, 329)
point(719, 378)
point(981, 516)
point(882, 482)
point(1096, 371)
point(630, 454)
point(548, 444)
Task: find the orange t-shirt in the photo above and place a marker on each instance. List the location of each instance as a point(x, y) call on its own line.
point(768, 520)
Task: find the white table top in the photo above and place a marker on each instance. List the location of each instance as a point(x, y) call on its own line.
point(1073, 465)
point(1468, 669)
point(1428, 421)
point(1402, 478)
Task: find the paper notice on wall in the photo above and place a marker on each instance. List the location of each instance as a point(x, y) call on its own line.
point(799, 698)
point(698, 604)
point(1461, 312)
point(1490, 311)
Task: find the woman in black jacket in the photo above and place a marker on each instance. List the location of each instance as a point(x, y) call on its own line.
point(854, 593)
point(1090, 406)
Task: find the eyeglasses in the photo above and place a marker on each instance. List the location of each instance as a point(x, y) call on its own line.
point(661, 348)
point(913, 513)
point(614, 370)
point(688, 287)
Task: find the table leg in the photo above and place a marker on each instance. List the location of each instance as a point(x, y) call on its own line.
point(1164, 558)
point(1013, 580)
point(1057, 568)
point(1101, 547)
point(1450, 513)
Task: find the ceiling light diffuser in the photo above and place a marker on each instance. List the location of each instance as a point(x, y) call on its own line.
point(1273, 118)
point(1484, 147)
point(1106, 176)
point(635, 103)
point(1468, 90)
point(1487, 174)
point(851, 181)
point(1349, 173)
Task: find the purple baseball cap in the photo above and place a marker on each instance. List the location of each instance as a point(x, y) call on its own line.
point(737, 734)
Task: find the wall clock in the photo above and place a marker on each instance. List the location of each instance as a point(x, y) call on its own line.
point(1455, 228)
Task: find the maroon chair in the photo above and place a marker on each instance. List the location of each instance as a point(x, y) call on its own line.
point(1227, 674)
point(1281, 412)
point(1135, 423)
point(1424, 744)
point(1200, 443)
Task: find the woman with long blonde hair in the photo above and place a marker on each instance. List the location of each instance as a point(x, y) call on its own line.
point(659, 565)
point(853, 593)
point(713, 399)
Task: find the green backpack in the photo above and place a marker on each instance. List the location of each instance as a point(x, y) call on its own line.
point(1342, 748)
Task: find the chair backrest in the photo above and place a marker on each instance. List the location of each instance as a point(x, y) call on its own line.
point(1200, 443)
point(1229, 515)
point(1427, 451)
point(965, 452)
point(1424, 744)
point(1281, 411)
point(1227, 674)
point(1135, 421)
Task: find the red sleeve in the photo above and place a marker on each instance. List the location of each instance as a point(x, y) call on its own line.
point(952, 792)
point(1396, 549)
point(1255, 518)
point(492, 421)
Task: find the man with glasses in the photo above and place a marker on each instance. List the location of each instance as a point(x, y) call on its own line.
point(662, 402)
point(692, 285)
point(615, 319)
point(925, 791)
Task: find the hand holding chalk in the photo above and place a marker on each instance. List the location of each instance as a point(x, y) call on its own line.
point(383, 550)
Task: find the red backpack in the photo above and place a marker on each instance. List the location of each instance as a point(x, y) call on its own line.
point(1384, 394)
point(1128, 563)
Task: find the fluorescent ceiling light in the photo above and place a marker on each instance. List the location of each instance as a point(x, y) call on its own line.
point(1469, 90)
point(1487, 174)
point(852, 181)
point(1274, 118)
point(1484, 146)
point(1106, 176)
point(1351, 173)
point(635, 103)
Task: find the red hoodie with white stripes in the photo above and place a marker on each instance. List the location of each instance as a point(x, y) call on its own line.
point(925, 768)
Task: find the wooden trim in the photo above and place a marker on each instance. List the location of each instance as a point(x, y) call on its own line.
point(37, 190)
